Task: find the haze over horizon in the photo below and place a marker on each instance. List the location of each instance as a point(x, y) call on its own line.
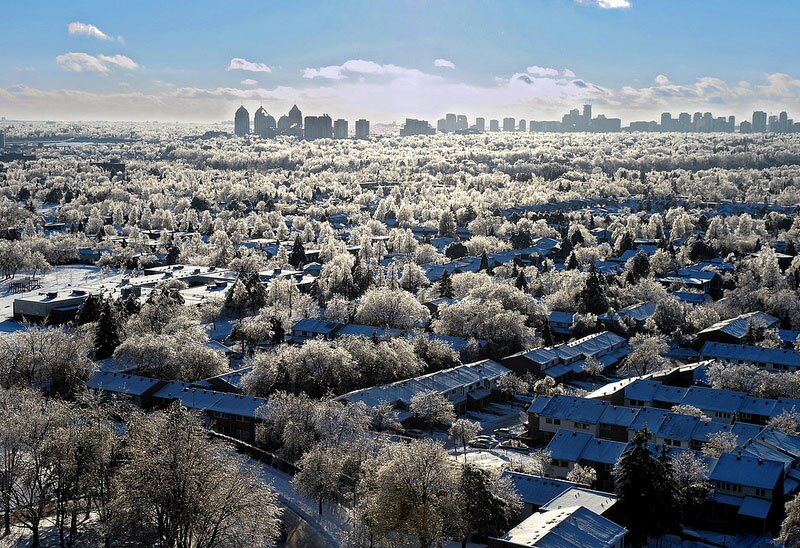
point(385, 61)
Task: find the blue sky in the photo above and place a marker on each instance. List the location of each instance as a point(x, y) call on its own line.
point(533, 58)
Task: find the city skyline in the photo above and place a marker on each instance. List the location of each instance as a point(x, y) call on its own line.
point(634, 59)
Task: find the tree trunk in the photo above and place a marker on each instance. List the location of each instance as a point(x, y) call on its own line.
point(35, 539)
point(320, 506)
point(73, 527)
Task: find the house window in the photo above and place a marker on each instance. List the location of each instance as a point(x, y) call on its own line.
point(761, 493)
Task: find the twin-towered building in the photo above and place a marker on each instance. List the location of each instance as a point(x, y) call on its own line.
point(293, 124)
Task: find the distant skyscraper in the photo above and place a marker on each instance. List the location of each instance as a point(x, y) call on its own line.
point(441, 125)
point(241, 122)
point(731, 124)
point(340, 129)
point(295, 116)
point(461, 123)
point(697, 121)
point(263, 124)
point(508, 124)
point(685, 121)
point(317, 127)
point(450, 123)
point(362, 129)
point(2, 140)
point(587, 116)
point(745, 127)
point(494, 125)
point(522, 125)
point(666, 121)
point(480, 124)
point(416, 127)
point(708, 121)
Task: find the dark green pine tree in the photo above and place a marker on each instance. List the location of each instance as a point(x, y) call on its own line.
point(297, 258)
point(106, 333)
point(649, 496)
point(547, 334)
point(446, 286)
point(173, 255)
point(640, 266)
point(484, 262)
point(89, 310)
point(572, 262)
point(362, 279)
point(484, 512)
point(521, 282)
point(593, 294)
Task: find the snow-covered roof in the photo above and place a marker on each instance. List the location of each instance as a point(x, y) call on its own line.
point(748, 471)
point(753, 354)
point(596, 501)
point(572, 526)
point(121, 383)
point(444, 382)
point(537, 490)
point(737, 327)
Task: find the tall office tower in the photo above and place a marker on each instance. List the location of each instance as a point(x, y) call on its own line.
point(263, 123)
point(697, 121)
point(772, 124)
point(461, 122)
point(685, 121)
point(494, 125)
point(731, 124)
point(759, 121)
point(295, 116)
point(318, 127)
point(666, 121)
point(522, 125)
point(745, 127)
point(362, 129)
point(708, 121)
point(450, 123)
point(340, 129)
point(241, 122)
point(2, 140)
point(441, 125)
point(587, 116)
point(783, 122)
point(480, 124)
point(508, 124)
point(416, 127)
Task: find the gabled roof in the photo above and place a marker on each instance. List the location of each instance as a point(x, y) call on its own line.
point(567, 445)
point(747, 471)
point(737, 327)
point(755, 354)
point(574, 526)
point(121, 383)
point(574, 408)
point(537, 490)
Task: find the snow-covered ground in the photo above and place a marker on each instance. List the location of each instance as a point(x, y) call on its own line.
point(58, 279)
point(332, 524)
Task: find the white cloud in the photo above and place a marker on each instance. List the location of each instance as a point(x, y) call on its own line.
point(83, 62)
point(661, 80)
point(363, 67)
point(84, 29)
point(249, 82)
point(444, 63)
point(238, 63)
point(607, 4)
point(568, 73)
point(383, 98)
point(544, 71)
